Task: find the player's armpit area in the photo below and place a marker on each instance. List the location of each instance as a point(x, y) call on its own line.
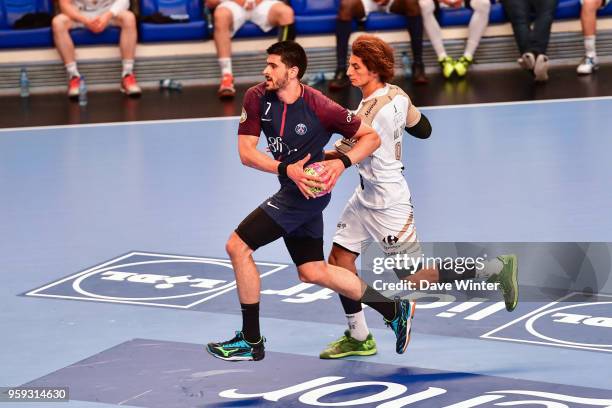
point(422, 129)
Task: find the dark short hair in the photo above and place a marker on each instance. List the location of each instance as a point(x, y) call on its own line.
point(376, 55)
point(292, 55)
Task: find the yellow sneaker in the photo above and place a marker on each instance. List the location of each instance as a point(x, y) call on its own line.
point(462, 64)
point(448, 66)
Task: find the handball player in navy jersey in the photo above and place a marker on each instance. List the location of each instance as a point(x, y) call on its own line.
point(297, 122)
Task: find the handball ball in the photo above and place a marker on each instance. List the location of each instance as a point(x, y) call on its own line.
point(315, 169)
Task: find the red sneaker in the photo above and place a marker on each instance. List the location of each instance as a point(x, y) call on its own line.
point(73, 87)
point(226, 89)
point(129, 85)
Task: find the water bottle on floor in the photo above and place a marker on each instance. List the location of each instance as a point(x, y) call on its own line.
point(406, 65)
point(170, 84)
point(209, 20)
point(82, 92)
point(316, 79)
point(24, 84)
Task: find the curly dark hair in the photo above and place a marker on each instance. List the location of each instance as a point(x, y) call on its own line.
point(376, 55)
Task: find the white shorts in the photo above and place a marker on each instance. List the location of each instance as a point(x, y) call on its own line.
point(93, 14)
point(258, 15)
point(392, 228)
point(370, 6)
point(604, 3)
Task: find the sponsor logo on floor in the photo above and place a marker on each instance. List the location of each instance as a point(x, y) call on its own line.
point(151, 279)
point(150, 373)
point(580, 321)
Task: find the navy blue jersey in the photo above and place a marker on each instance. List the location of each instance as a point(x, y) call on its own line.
point(294, 130)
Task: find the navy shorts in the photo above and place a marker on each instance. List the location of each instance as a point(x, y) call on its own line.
point(297, 220)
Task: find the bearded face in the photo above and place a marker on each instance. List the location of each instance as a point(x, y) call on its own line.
point(276, 73)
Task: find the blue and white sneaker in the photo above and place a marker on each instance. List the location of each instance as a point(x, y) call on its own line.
point(238, 349)
point(588, 65)
point(402, 324)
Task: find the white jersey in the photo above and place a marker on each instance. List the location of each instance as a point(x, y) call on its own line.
point(383, 183)
point(97, 7)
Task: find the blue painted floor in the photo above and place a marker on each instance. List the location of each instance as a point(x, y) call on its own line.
point(75, 198)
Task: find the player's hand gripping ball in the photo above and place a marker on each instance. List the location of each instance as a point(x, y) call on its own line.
point(316, 169)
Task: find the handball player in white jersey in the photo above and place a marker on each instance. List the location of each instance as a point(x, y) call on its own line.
point(380, 209)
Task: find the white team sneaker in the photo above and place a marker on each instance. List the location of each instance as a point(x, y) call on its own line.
point(588, 65)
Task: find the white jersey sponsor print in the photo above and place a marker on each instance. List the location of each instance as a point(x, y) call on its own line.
point(386, 110)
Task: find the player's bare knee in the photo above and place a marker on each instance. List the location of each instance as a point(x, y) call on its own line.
point(311, 273)
point(311, 277)
point(332, 259)
point(127, 19)
point(236, 247)
point(223, 18)
point(345, 12)
point(341, 257)
point(287, 16)
point(281, 14)
point(412, 8)
point(591, 5)
point(427, 6)
point(60, 23)
point(483, 6)
point(334, 256)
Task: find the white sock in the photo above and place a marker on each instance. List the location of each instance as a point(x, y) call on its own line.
point(128, 67)
point(72, 70)
point(492, 267)
point(589, 46)
point(434, 32)
point(478, 25)
point(358, 326)
point(226, 65)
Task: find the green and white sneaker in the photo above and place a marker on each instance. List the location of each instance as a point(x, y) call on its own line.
point(462, 64)
point(508, 280)
point(237, 349)
point(448, 66)
point(348, 346)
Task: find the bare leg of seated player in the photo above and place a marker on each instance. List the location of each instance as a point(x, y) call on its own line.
point(349, 10)
point(223, 42)
point(588, 20)
point(127, 46)
point(412, 11)
point(61, 25)
point(281, 16)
